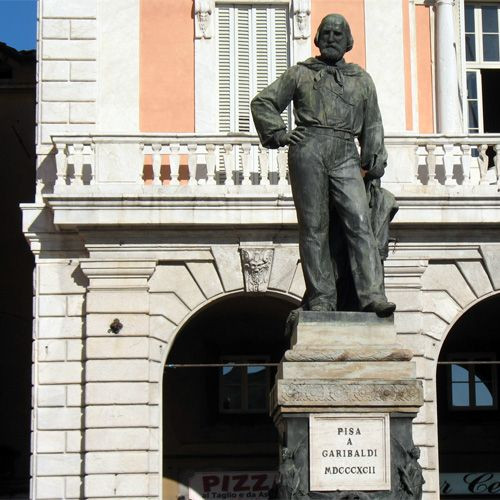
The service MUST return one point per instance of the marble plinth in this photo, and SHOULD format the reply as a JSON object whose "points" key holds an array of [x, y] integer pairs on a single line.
{"points": [[344, 399]]}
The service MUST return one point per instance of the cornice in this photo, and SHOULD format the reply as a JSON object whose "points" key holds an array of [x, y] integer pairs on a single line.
{"points": [[264, 209]]}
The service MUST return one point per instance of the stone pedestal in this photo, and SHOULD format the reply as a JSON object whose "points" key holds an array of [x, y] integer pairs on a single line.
{"points": [[344, 400]]}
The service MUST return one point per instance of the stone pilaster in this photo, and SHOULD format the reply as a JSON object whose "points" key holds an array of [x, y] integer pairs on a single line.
{"points": [[57, 380], [121, 426]]}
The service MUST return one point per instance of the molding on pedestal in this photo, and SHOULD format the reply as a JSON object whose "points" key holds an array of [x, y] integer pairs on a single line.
{"points": [[349, 393]]}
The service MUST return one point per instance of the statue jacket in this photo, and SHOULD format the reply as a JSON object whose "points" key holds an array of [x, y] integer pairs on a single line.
{"points": [[340, 97]]}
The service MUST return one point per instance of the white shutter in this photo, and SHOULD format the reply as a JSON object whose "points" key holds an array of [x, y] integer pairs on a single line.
{"points": [[224, 60], [252, 52], [281, 53], [263, 49], [243, 69]]}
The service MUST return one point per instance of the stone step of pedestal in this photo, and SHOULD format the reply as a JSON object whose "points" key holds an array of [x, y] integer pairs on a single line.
{"points": [[335, 329], [374, 370]]}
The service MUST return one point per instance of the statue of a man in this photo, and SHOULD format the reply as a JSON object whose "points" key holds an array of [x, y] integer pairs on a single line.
{"points": [[334, 102]]}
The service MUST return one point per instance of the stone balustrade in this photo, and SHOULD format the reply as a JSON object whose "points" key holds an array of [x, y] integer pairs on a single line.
{"points": [[151, 162], [448, 161]]}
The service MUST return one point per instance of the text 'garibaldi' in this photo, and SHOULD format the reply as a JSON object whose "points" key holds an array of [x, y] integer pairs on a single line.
{"points": [[335, 189]]}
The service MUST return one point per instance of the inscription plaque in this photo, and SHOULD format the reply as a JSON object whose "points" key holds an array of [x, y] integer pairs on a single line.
{"points": [[349, 452]]}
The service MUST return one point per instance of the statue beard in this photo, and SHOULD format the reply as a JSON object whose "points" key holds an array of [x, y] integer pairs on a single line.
{"points": [[331, 54]]}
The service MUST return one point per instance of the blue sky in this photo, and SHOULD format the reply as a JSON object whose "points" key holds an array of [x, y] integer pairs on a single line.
{"points": [[18, 23]]}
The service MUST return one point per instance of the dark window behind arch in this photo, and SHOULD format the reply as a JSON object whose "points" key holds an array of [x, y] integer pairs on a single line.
{"points": [[468, 425]]}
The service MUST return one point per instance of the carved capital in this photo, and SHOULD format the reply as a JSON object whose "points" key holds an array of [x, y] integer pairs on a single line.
{"points": [[117, 274], [301, 19], [256, 263], [204, 15]]}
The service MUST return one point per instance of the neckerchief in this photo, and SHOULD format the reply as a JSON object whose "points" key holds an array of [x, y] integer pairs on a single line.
{"points": [[338, 70]]}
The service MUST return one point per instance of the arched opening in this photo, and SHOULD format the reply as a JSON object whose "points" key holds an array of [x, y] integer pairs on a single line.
{"points": [[467, 404], [218, 435]]}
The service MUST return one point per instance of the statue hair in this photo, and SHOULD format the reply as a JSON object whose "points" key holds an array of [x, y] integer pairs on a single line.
{"points": [[345, 24]]}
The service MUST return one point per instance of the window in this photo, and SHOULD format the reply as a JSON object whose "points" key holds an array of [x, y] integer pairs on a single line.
{"points": [[482, 56], [253, 50], [244, 389], [472, 384]]}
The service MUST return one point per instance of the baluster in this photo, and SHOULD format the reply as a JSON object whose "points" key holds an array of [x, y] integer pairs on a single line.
{"points": [[416, 163], [174, 164], [430, 160], [156, 164], [496, 148], [192, 163], [78, 163], [448, 165], [61, 164], [482, 161], [141, 178], [466, 162], [211, 160], [228, 164], [264, 165], [282, 167], [245, 162]]}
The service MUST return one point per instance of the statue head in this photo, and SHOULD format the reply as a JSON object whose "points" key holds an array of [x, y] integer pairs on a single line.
{"points": [[333, 38]]}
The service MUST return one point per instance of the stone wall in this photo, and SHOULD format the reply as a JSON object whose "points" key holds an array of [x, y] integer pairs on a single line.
{"points": [[67, 68], [58, 380], [97, 396]]}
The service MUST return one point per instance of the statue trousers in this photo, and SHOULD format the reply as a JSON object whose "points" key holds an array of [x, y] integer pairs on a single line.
{"points": [[326, 184]]}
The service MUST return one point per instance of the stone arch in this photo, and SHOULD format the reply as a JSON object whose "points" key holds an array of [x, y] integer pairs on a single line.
{"points": [[200, 380], [473, 333], [464, 311], [178, 290], [448, 290], [181, 288], [169, 340]]}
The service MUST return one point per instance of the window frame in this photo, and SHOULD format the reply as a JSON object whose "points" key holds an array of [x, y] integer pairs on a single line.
{"points": [[478, 99], [253, 360], [478, 64], [206, 61], [472, 356], [234, 108]]}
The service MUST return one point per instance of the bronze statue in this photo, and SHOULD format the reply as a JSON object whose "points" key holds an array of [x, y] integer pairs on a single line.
{"points": [[336, 190]]}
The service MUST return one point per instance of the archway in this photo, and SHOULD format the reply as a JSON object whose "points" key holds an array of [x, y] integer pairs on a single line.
{"points": [[467, 404], [216, 423]]}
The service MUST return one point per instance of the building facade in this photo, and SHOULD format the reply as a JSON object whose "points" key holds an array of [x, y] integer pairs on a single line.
{"points": [[166, 247]]}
